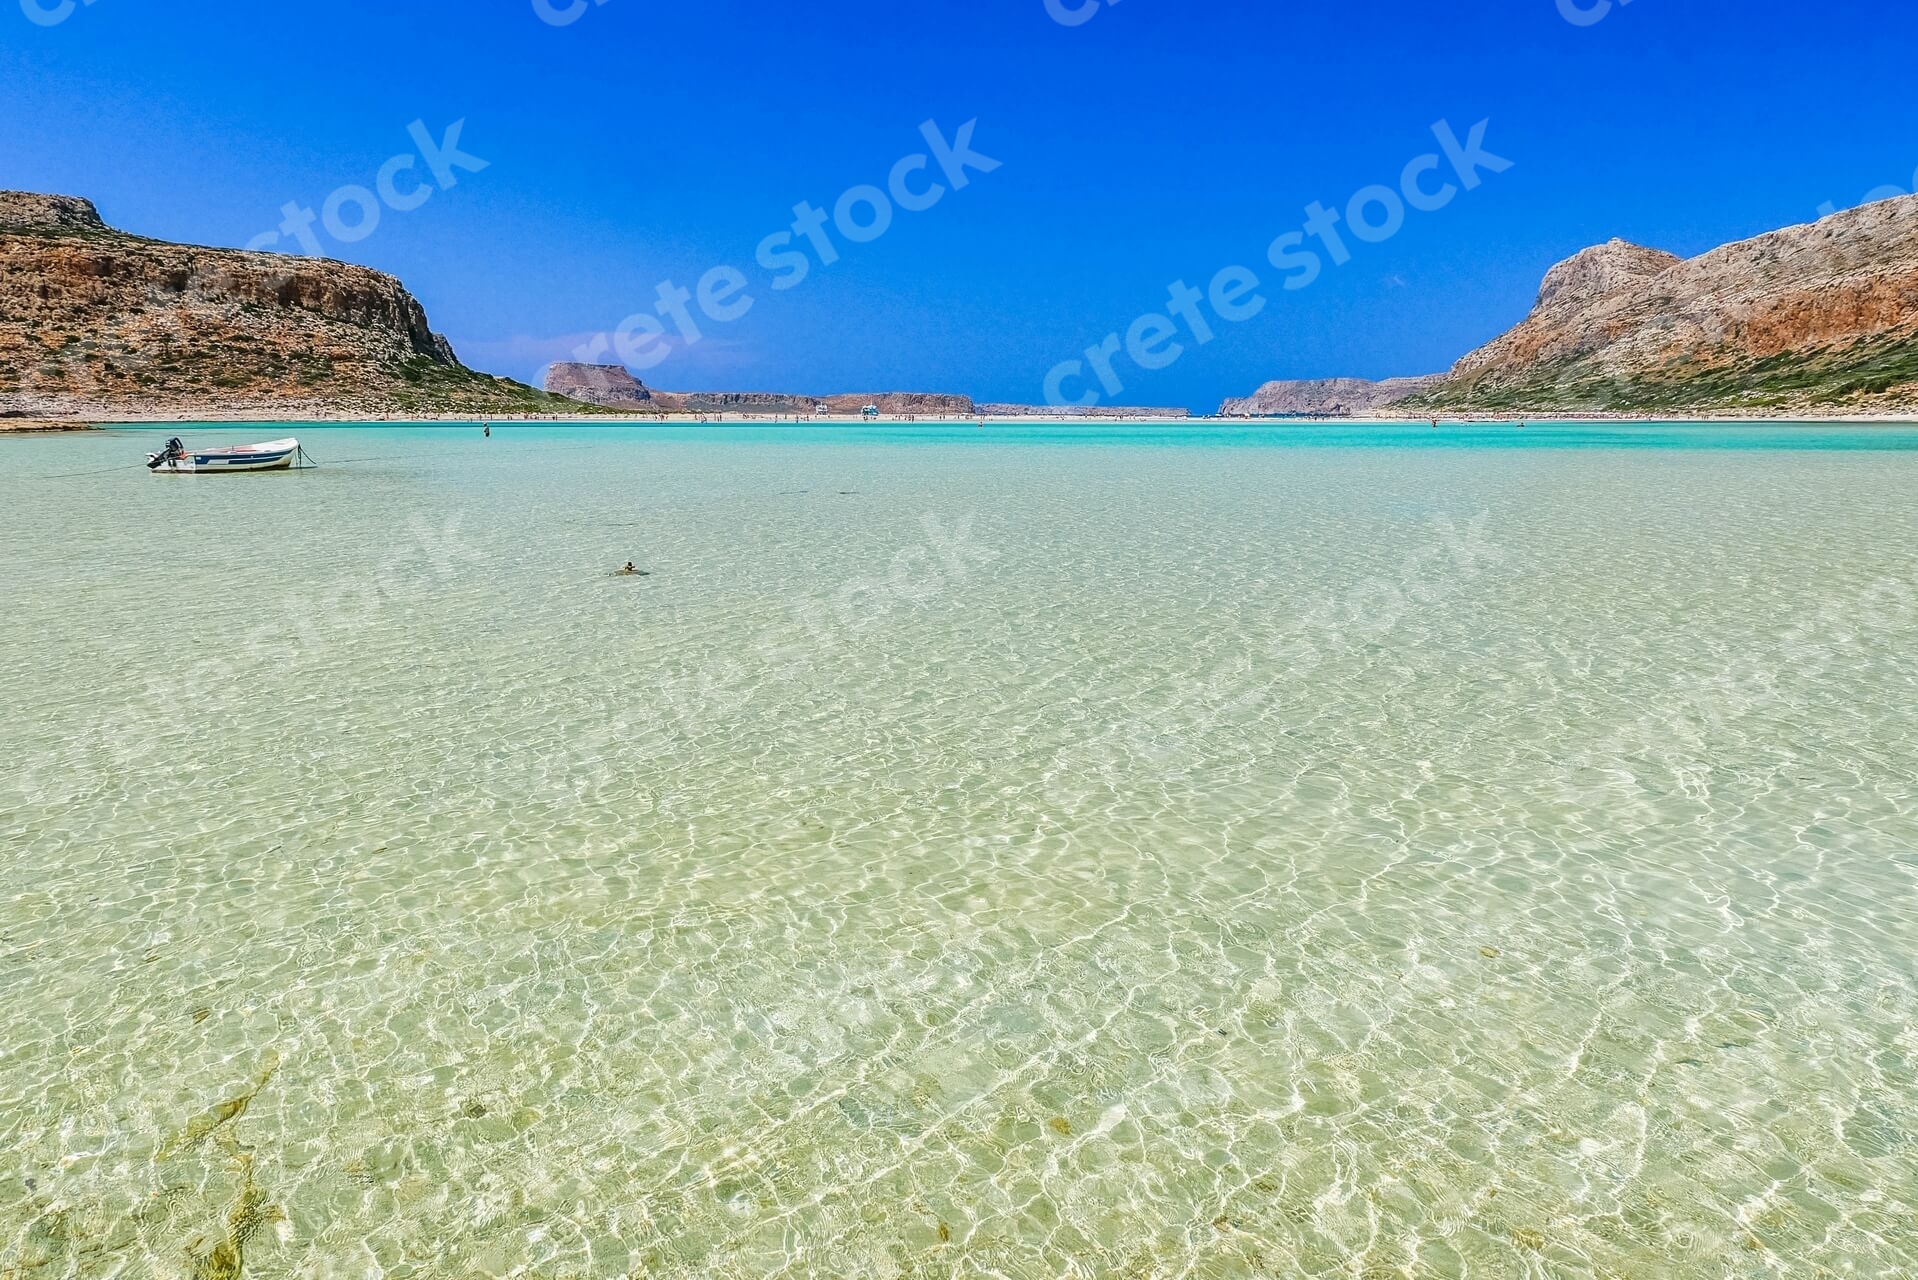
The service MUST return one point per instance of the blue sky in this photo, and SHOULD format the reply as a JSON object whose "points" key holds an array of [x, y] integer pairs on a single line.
{"points": [[1157, 140]]}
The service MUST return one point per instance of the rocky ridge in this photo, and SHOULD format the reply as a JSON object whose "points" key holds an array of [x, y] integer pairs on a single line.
{"points": [[1816, 317], [1077, 411], [1809, 320], [1324, 397], [94, 321]]}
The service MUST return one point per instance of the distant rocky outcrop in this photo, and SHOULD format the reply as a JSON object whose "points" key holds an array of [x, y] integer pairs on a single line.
{"points": [[611, 385], [1814, 319], [94, 321], [901, 403], [614, 386], [1325, 397], [733, 402]]}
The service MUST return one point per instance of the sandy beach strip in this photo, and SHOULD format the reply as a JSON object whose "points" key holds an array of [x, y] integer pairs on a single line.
{"points": [[43, 426]]}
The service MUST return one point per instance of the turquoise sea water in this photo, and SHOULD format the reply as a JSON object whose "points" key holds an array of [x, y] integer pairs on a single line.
{"points": [[1105, 851]]}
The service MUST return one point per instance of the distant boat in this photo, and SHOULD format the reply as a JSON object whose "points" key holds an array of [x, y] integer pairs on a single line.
{"points": [[176, 458]]}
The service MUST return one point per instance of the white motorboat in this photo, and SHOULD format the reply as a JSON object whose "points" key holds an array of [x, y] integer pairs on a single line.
{"points": [[177, 459]]}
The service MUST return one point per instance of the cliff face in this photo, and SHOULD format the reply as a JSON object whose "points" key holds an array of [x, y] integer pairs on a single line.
{"points": [[1325, 397], [611, 385], [24, 211], [95, 321], [1817, 317], [1811, 319]]}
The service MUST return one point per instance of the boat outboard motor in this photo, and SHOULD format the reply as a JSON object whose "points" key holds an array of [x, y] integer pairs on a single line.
{"points": [[174, 449]]}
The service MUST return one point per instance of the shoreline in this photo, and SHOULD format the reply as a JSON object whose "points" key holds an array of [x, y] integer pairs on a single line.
{"points": [[102, 422], [44, 426]]}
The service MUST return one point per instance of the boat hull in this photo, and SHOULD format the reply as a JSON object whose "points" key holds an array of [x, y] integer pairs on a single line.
{"points": [[278, 455]]}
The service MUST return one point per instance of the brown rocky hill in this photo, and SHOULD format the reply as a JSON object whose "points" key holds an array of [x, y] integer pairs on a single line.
{"points": [[610, 385], [94, 321], [1822, 316], [1324, 397], [1814, 319]]}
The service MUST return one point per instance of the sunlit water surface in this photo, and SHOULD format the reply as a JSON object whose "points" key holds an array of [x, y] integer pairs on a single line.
{"points": [[1106, 852]]}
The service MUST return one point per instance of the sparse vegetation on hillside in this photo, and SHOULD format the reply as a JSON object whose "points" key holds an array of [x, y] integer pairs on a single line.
{"points": [[94, 320], [1871, 374]]}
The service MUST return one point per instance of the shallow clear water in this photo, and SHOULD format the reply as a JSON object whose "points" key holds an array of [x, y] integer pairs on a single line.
{"points": [[1059, 851]]}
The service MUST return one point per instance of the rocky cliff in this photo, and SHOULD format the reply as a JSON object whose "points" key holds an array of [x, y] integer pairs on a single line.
{"points": [[1325, 397], [611, 385], [1814, 319], [1822, 317], [94, 321]]}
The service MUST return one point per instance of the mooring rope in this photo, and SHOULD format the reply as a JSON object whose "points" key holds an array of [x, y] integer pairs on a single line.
{"points": [[74, 475]]}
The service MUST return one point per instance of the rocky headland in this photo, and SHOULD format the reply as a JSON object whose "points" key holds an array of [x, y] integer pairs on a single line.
{"points": [[1325, 397], [1814, 320], [97, 322]]}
